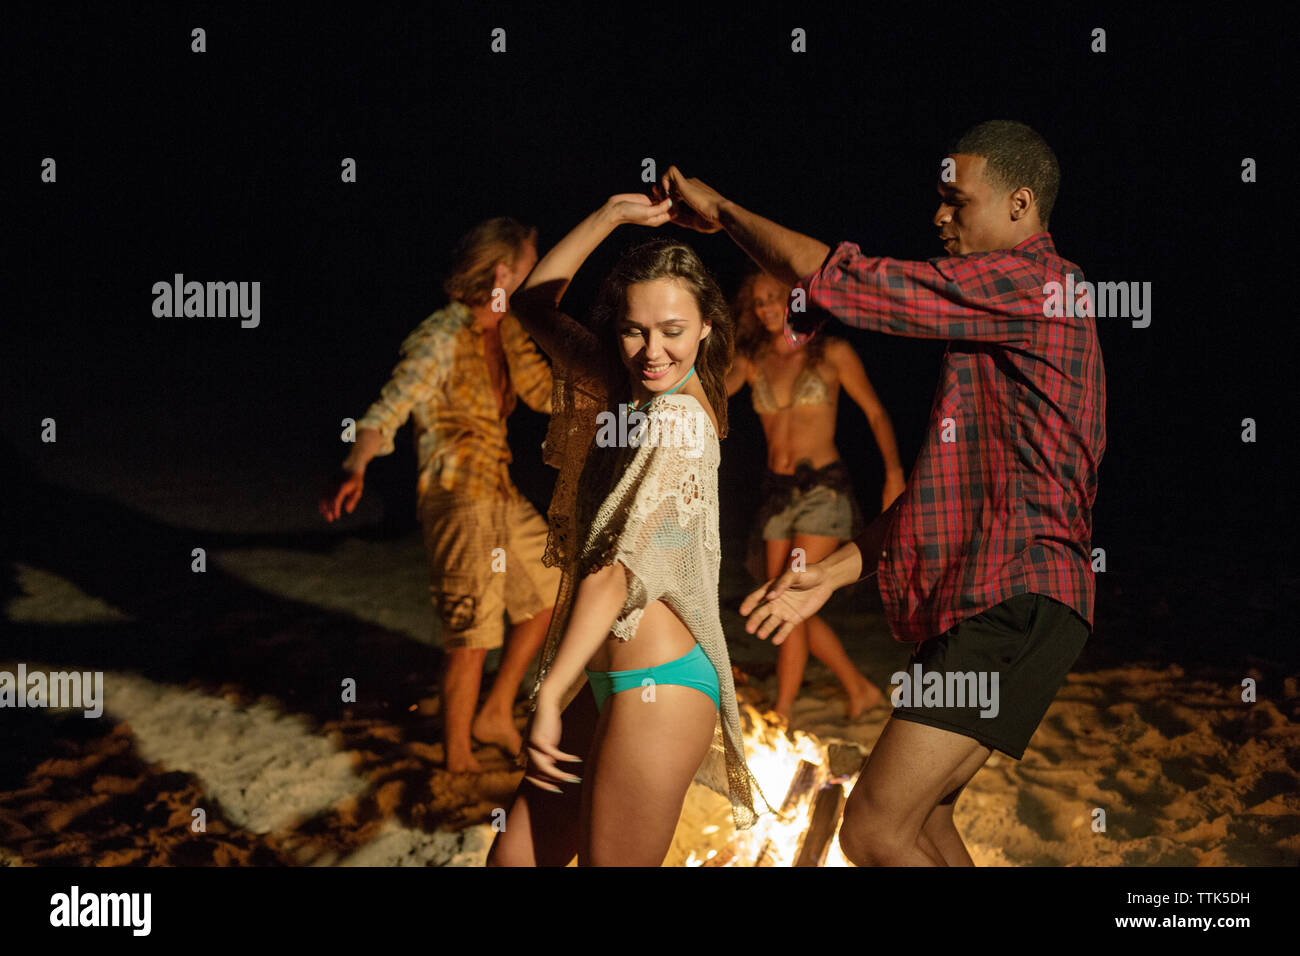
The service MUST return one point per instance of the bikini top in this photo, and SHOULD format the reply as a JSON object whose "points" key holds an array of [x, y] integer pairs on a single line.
{"points": [[809, 389]]}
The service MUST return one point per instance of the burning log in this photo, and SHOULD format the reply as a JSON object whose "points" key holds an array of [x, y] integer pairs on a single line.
{"points": [[807, 779], [821, 830], [723, 858], [812, 779]]}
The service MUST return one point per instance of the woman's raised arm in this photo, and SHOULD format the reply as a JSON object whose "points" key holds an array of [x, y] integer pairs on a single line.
{"points": [[536, 302]]}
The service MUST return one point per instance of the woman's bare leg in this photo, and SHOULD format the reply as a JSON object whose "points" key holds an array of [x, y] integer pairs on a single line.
{"points": [[541, 828], [792, 655], [823, 642], [646, 755]]}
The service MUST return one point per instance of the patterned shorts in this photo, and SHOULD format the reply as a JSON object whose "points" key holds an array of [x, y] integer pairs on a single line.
{"points": [[485, 560]]}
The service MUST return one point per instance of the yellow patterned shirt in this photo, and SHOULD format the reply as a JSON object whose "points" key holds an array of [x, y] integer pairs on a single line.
{"points": [[443, 382]]}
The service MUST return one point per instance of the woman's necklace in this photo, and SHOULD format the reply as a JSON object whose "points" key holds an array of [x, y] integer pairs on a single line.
{"points": [[632, 406]]}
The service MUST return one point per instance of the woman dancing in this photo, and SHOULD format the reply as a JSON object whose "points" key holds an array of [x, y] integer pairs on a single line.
{"points": [[808, 499], [635, 531]]}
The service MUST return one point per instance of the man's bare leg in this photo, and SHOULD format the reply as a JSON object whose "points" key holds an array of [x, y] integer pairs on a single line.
{"points": [[939, 834], [495, 723], [939, 826], [460, 683], [942, 836], [912, 769]]}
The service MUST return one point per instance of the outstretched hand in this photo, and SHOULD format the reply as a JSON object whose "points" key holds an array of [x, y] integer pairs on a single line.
{"points": [[341, 494], [638, 210], [778, 606]]}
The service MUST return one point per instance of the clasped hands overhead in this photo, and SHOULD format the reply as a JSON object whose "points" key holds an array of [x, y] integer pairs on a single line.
{"points": [[687, 202]]}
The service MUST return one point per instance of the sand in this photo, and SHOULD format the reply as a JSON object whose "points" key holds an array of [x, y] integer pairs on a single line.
{"points": [[1184, 770]]}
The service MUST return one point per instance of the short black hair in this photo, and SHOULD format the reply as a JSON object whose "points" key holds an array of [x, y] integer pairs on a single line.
{"points": [[1017, 156]]}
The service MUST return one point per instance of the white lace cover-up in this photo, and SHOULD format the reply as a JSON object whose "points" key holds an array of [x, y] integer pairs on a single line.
{"points": [[660, 520]]}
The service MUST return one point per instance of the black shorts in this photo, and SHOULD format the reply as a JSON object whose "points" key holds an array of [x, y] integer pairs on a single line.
{"points": [[1029, 642]]}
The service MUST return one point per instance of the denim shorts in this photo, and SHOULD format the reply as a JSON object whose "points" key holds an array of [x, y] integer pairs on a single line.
{"points": [[821, 511]]}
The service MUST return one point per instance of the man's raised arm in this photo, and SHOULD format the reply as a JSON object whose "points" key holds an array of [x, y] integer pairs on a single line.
{"points": [[990, 298], [788, 255]]}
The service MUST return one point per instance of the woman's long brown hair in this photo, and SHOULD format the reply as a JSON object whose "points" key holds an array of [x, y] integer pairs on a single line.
{"points": [[673, 259]]}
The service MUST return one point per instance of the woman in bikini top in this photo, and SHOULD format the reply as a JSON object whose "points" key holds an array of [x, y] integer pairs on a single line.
{"points": [[634, 528], [795, 390], [809, 388]]}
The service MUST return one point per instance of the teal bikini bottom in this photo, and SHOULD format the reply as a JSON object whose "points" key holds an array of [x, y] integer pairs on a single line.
{"points": [[690, 670]]}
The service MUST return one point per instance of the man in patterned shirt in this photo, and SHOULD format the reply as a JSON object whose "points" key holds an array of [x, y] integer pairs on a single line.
{"points": [[459, 376], [984, 561]]}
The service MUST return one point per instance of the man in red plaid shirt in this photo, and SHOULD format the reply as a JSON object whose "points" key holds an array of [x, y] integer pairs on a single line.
{"points": [[984, 562]]}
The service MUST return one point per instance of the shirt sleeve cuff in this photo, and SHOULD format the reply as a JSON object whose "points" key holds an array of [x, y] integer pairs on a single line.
{"points": [[803, 324], [369, 421], [871, 542], [814, 284]]}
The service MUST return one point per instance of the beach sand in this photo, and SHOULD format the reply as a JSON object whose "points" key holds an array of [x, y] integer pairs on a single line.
{"points": [[226, 739], [283, 772]]}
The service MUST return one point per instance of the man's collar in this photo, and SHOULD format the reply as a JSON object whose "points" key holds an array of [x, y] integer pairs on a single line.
{"points": [[464, 316], [1038, 242]]}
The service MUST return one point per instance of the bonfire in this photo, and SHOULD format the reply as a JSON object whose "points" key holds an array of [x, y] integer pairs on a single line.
{"points": [[794, 767]]}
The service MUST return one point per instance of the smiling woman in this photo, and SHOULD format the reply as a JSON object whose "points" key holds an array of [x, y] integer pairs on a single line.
{"points": [[665, 318], [634, 526]]}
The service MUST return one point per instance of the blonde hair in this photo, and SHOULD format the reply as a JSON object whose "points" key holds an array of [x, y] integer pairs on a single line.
{"points": [[752, 337], [471, 278]]}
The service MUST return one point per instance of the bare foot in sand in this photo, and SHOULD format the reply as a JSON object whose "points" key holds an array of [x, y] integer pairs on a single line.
{"points": [[864, 697], [458, 762], [498, 730]]}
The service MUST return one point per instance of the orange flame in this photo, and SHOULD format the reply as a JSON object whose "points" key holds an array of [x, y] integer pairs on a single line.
{"points": [[791, 766]]}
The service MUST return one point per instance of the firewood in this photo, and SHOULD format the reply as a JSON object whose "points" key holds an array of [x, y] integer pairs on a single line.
{"points": [[806, 779], [826, 814], [723, 857]]}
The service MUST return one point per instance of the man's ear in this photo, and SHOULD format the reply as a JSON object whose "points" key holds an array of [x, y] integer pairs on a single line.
{"points": [[1022, 200]]}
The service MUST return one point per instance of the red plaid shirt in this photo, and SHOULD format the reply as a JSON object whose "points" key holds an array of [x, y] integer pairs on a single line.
{"points": [[1000, 500]]}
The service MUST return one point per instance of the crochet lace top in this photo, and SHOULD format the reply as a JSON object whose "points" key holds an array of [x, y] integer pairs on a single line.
{"points": [[652, 505]]}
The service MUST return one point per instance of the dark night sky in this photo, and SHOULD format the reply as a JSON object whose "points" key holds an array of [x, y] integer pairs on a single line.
{"points": [[225, 166]]}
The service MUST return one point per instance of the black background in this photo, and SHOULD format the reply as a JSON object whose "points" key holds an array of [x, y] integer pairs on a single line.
{"points": [[226, 166]]}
